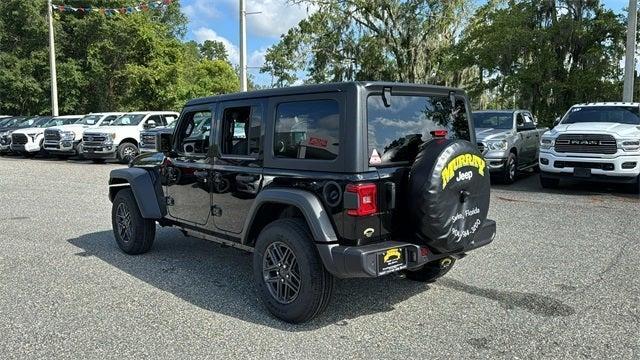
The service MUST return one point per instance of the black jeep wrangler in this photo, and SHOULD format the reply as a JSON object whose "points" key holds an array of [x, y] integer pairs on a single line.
{"points": [[340, 180]]}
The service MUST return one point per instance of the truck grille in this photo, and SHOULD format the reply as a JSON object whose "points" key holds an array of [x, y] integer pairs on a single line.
{"points": [[586, 143], [93, 139], [19, 139], [51, 135], [148, 141]]}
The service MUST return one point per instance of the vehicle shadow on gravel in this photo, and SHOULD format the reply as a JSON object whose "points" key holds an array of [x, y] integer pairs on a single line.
{"points": [[219, 279], [529, 182]]}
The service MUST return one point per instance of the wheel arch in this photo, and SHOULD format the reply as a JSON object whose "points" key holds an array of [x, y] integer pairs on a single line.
{"points": [[146, 189], [129, 140], [273, 204]]}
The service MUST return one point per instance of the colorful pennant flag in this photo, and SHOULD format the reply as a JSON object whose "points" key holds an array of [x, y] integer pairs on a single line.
{"points": [[143, 6]]}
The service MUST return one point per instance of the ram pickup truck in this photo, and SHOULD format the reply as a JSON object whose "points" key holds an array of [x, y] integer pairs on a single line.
{"points": [[65, 140], [121, 139], [29, 141], [509, 141], [593, 142]]}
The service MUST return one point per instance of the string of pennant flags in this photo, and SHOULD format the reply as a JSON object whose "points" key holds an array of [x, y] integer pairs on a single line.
{"points": [[125, 10]]}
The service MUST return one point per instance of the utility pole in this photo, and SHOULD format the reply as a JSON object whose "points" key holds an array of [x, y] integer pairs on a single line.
{"points": [[52, 63], [243, 46], [629, 60]]}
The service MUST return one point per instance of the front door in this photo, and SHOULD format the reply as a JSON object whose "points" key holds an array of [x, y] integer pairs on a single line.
{"points": [[188, 171], [237, 174]]}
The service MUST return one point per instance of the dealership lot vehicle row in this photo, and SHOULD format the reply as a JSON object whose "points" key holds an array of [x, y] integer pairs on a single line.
{"points": [[559, 280]]}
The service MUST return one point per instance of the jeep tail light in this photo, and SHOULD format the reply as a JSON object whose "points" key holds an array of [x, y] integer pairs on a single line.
{"points": [[360, 199]]}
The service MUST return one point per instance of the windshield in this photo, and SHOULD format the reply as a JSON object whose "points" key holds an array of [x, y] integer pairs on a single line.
{"points": [[493, 120], [611, 114], [397, 131], [128, 119], [89, 120], [38, 121], [57, 122]]}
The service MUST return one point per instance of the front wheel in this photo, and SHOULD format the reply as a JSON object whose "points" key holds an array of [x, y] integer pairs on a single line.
{"points": [[127, 152], [510, 170], [134, 234], [431, 271], [289, 276]]}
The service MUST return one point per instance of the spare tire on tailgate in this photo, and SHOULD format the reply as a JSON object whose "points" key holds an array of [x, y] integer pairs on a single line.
{"points": [[449, 191]]}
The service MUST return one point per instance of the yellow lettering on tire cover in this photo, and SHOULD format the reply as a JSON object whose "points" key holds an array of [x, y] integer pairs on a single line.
{"points": [[460, 161]]}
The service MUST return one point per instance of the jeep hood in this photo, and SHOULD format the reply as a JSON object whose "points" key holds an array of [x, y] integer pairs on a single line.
{"points": [[622, 130], [483, 134]]}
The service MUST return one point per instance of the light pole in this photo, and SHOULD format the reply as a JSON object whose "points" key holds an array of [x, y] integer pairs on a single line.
{"points": [[629, 60], [52, 64], [243, 47]]}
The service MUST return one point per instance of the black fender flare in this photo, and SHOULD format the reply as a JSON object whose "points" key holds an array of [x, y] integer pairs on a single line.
{"points": [[146, 187], [314, 213]]}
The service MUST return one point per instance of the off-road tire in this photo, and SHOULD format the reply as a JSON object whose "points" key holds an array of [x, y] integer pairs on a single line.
{"points": [[429, 272], [142, 232], [98, 161], [510, 171], [549, 183], [123, 152], [316, 283]]}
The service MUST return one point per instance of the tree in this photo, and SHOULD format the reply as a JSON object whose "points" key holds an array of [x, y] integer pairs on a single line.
{"points": [[115, 63], [213, 50], [547, 55], [363, 39]]}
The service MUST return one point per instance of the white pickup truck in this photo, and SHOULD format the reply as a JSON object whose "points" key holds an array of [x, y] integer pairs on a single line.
{"points": [[593, 142], [64, 140], [29, 141], [120, 140]]}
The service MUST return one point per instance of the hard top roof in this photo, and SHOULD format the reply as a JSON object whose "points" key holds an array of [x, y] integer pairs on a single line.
{"points": [[315, 88]]}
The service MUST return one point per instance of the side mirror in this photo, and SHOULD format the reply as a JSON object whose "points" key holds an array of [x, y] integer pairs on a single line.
{"points": [[556, 121], [150, 124], [165, 142]]}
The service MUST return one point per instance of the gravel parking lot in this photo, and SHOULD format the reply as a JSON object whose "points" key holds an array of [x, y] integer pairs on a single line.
{"points": [[560, 280]]}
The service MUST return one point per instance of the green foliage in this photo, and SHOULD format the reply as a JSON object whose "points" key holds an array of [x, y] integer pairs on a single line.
{"points": [[133, 62], [214, 50]]}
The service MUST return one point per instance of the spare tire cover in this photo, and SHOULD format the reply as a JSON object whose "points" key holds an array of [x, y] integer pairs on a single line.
{"points": [[449, 189]]}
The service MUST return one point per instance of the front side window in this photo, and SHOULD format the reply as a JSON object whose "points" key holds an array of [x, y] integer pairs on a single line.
{"points": [[128, 120], [108, 120], [307, 130], [395, 132], [620, 114], [241, 130], [194, 132], [493, 120]]}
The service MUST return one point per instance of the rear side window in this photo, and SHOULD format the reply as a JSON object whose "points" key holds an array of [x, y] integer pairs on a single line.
{"points": [[307, 130], [396, 132]]}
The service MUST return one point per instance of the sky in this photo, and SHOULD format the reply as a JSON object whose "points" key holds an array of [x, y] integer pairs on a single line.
{"points": [[219, 20]]}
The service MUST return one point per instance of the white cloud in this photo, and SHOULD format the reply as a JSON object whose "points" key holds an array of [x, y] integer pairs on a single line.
{"points": [[201, 34], [256, 58], [276, 17], [201, 9]]}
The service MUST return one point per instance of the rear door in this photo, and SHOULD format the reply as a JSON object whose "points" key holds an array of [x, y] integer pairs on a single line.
{"points": [[395, 133], [237, 173], [188, 172]]}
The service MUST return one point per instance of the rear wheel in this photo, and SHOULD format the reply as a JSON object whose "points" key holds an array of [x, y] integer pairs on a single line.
{"points": [[133, 233], [127, 152], [289, 276], [549, 183], [431, 271]]}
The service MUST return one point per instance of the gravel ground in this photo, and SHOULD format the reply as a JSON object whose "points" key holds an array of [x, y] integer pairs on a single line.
{"points": [[559, 281]]}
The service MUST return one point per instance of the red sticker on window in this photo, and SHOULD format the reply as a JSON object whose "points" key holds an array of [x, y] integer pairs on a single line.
{"points": [[317, 142]]}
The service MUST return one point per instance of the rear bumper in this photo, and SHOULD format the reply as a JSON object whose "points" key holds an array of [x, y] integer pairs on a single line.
{"points": [[362, 261]]}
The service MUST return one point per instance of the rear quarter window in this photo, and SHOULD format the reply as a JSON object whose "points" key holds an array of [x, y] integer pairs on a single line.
{"points": [[307, 130]]}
